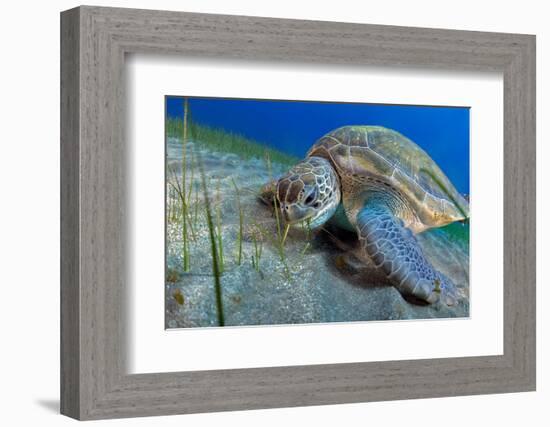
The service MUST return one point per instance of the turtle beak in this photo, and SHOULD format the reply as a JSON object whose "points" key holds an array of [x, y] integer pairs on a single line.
{"points": [[295, 213]]}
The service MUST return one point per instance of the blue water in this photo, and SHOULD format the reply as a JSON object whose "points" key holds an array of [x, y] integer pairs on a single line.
{"points": [[293, 126]]}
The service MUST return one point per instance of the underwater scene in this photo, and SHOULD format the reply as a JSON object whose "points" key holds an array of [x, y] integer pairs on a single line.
{"points": [[292, 212]]}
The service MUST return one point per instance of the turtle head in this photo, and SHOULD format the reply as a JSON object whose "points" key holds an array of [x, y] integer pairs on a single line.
{"points": [[310, 191]]}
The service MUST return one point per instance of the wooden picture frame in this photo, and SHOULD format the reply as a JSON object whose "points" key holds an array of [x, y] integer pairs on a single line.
{"points": [[94, 41]]}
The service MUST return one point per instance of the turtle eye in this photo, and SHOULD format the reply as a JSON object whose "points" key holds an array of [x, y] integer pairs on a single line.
{"points": [[310, 198]]}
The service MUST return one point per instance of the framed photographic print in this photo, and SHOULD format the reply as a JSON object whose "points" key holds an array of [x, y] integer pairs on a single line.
{"points": [[262, 213]]}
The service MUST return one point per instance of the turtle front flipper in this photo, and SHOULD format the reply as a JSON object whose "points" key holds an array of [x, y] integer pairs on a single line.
{"points": [[393, 248]]}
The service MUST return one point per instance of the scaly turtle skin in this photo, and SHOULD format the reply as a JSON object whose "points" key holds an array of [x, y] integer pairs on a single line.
{"points": [[382, 185]]}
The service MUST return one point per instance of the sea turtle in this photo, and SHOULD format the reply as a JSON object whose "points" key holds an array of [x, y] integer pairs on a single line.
{"points": [[381, 185]]}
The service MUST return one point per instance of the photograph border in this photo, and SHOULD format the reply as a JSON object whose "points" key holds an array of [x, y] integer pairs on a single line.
{"points": [[308, 101], [94, 232]]}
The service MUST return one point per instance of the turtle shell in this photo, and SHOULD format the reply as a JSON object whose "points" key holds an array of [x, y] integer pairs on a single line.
{"points": [[383, 156]]}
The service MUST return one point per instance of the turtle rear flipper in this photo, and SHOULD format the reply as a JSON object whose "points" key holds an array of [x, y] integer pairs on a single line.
{"points": [[393, 248]]}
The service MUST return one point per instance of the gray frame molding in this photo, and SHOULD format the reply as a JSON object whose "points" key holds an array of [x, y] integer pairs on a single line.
{"points": [[94, 41]]}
